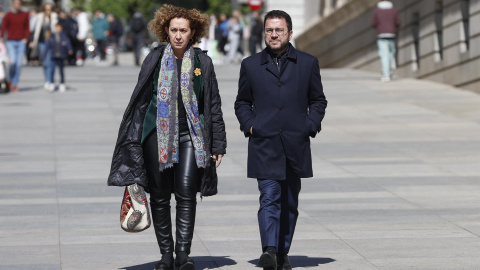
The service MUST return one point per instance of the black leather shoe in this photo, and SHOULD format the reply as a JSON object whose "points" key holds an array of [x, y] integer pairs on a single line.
{"points": [[163, 266], [268, 261], [187, 264], [283, 263]]}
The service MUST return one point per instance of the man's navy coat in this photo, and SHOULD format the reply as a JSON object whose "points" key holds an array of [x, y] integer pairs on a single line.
{"points": [[285, 108]]}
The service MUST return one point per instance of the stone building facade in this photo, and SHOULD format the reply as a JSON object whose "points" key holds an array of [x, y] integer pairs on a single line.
{"points": [[438, 40]]}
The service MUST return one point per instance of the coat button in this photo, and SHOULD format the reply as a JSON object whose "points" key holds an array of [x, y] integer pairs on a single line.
{"points": [[281, 130], [280, 84], [281, 107]]}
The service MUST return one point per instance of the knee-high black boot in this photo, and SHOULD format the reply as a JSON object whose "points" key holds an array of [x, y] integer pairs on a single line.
{"points": [[160, 185], [186, 179], [162, 221]]}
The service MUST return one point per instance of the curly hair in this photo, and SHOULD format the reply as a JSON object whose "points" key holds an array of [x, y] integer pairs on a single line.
{"points": [[198, 22]]}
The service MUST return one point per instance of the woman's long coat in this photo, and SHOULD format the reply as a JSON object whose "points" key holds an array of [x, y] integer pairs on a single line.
{"points": [[127, 162]]}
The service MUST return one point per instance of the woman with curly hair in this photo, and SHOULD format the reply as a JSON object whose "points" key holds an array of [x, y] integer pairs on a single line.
{"points": [[172, 136]]}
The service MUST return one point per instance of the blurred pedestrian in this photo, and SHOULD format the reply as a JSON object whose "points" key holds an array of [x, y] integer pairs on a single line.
{"points": [[234, 37], [280, 105], [256, 33], [58, 47], [17, 25], [70, 28], [44, 27], [138, 28], [237, 14], [83, 27], [100, 28], [3, 68], [386, 20], [32, 16], [182, 137], [223, 39], [114, 35], [213, 39], [62, 17], [2, 14]]}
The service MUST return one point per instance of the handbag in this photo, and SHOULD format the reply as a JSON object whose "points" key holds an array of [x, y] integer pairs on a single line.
{"points": [[134, 214]]}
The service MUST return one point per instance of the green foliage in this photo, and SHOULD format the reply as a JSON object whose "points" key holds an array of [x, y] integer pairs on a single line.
{"points": [[219, 6]]}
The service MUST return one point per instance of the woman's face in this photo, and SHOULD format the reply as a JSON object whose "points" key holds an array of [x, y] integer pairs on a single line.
{"points": [[48, 9], [179, 33]]}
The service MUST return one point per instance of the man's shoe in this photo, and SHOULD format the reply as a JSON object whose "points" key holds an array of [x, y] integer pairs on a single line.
{"points": [[268, 261], [163, 266], [187, 264], [283, 262]]}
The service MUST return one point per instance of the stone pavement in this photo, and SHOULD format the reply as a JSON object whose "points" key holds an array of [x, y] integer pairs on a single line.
{"points": [[396, 186]]}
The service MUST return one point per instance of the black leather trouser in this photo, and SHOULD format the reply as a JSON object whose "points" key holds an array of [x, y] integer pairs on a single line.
{"points": [[183, 179]]}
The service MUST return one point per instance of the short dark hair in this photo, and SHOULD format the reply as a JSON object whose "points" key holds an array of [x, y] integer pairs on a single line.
{"points": [[279, 14]]}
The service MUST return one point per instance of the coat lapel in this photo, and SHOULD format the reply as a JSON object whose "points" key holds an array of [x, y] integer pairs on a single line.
{"points": [[269, 65]]}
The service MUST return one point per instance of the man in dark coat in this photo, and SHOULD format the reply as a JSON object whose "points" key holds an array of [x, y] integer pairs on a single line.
{"points": [[280, 104]]}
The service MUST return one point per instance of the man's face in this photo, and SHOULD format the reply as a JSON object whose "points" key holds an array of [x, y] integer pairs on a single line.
{"points": [[17, 4], [277, 35]]}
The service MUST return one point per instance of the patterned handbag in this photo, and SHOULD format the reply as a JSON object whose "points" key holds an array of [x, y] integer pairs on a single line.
{"points": [[134, 214]]}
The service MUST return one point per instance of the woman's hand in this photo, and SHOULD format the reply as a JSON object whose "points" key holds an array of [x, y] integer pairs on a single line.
{"points": [[218, 159]]}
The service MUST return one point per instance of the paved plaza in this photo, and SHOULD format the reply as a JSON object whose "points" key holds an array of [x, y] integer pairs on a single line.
{"points": [[396, 179]]}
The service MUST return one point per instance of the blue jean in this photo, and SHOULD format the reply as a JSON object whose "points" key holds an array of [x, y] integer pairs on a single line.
{"points": [[56, 62], [278, 212], [46, 62], [16, 52], [386, 51]]}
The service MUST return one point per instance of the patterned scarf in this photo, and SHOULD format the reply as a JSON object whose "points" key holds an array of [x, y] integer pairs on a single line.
{"points": [[167, 109]]}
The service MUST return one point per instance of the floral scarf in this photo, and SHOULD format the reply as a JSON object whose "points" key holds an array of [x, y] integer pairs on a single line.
{"points": [[167, 109]]}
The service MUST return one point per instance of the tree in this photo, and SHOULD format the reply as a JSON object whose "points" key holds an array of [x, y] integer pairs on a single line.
{"points": [[219, 6]]}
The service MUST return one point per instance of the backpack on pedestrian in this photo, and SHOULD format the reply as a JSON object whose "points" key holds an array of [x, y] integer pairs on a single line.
{"points": [[137, 25]]}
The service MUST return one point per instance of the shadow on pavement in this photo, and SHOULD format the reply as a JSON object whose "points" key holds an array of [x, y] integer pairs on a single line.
{"points": [[303, 261], [201, 262]]}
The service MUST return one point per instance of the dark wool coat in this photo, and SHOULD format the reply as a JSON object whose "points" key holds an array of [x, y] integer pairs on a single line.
{"points": [[284, 108], [127, 162]]}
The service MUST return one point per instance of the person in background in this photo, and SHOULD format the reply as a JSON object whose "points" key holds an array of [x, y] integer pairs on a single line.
{"points": [[83, 27], [237, 14], [3, 68], [16, 23], [386, 20], [256, 33], [223, 26], [62, 17], [100, 28], [234, 38], [173, 141], [44, 26], [32, 22], [70, 28], [58, 47], [2, 14], [114, 35], [138, 27], [213, 39], [280, 105]]}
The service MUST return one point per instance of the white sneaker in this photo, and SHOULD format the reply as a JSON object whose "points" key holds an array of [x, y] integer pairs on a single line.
{"points": [[51, 87], [385, 79], [46, 86], [62, 88]]}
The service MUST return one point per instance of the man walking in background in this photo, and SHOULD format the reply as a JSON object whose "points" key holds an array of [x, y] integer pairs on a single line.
{"points": [[115, 33], [16, 23], [280, 105], [100, 28], [138, 26], [386, 20]]}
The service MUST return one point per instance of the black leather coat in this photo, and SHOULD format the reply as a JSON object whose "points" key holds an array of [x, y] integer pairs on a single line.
{"points": [[127, 162]]}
